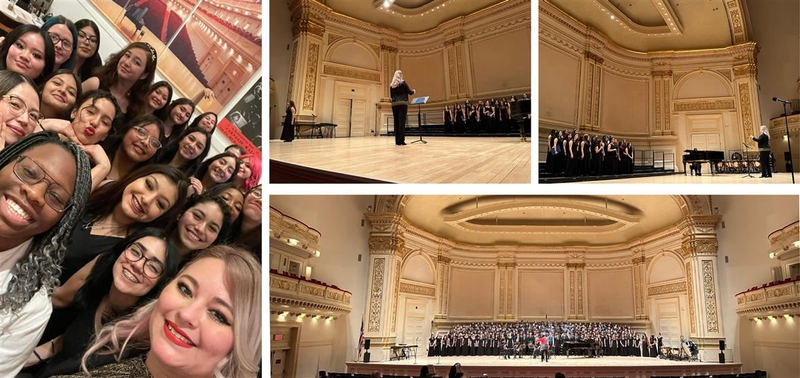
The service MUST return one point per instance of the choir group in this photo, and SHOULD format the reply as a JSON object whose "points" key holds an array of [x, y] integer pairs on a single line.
{"points": [[571, 154]]}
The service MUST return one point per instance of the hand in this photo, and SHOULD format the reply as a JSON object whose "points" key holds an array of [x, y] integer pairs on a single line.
{"points": [[32, 360], [60, 126], [102, 166], [195, 186], [208, 94]]}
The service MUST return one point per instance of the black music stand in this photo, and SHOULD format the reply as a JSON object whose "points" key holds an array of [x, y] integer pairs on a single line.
{"points": [[418, 102], [747, 159]]}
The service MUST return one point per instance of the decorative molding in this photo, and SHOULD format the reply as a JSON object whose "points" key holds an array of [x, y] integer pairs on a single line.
{"points": [[682, 106], [690, 291], [410, 288], [747, 115], [351, 73], [676, 287], [311, 76], [376, 295], [292, 69], [745, 70], [710, 297], [396, 294]]}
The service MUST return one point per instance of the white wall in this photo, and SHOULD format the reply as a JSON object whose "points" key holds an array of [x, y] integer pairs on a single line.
{"points": [[111, 41], [343, 239], [748, 220]]}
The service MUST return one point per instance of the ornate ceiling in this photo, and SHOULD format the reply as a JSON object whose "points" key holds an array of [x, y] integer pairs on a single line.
{"points": [[542, 220], [408, 16], [656, 25]]}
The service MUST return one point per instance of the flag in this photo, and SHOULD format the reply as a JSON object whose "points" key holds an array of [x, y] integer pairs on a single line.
{"points": [[360, 340]]}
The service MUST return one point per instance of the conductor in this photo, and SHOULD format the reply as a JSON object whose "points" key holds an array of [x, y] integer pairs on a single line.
{"points": [[399, 91], [763, 152]]}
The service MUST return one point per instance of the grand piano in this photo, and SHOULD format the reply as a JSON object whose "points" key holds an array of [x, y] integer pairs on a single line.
{"points": [[587, 347], [702, 156]]}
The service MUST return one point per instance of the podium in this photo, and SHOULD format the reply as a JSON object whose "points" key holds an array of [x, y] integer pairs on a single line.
{"points": [[419, 101]]}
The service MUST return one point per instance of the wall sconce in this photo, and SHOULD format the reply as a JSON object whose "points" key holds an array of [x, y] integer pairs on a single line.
{"points": [[329, 318], [772, 255], [284, 314], [316, 253], [301, 316], [788, 316], [292, 242], [756, 319], [772, 318], [316, 317], [797, 244]]}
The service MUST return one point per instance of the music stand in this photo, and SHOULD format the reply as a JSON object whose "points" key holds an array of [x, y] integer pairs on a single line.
{"points": [[747, 159], [419, 101]]}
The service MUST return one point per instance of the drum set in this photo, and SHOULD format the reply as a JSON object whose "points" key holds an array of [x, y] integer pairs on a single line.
{"points": [[687, 352]]}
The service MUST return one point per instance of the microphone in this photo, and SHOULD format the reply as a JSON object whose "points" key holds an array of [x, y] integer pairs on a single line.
{"points": [[781, 100]]}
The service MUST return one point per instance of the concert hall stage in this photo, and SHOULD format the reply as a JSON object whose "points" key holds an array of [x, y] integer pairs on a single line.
{"points": [[378, 159], [476, 366], [679, 178]]}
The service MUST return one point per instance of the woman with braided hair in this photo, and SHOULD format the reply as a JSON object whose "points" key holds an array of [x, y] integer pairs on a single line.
{"points": [[44, 185]]}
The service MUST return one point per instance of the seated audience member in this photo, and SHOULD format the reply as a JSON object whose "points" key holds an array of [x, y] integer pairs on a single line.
{"points": [[176, 118], [236, 150], [28, 50], [188, 151], [218, 169], [111, 285], [59, 94], [133, 146], [20, 111], [249, 172], [214, 308], [65, 40], [206, 121], [205, 221], [127, 75], [44, 183], [87, 58]]}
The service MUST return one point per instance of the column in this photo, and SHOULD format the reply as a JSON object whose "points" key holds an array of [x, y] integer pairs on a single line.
{"points": [[307, 32], [639, 284], [577, 288], [745, 90], [505, 295], [699, 249], [662, 84], [443, 261]]}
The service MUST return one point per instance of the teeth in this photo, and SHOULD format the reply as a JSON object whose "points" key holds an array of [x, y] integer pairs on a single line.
{"points": [[129, 276], [17, 210], [193, 236], [137, 205], [178, 335]]}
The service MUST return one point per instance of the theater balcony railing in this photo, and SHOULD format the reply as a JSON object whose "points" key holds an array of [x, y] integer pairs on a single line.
{"points": [[296, 294]]}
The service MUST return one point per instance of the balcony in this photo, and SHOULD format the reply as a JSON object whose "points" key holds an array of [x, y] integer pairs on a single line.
{"points": [[295, 293], [774, 298]]}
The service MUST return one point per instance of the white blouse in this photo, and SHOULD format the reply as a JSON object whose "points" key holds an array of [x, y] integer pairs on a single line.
{"points": [[21, 330]]}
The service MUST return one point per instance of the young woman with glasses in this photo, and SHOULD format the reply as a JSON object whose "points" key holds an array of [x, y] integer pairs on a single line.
{"points": [[28, 50], [134, 146], [87, 57], [65, 40], [44, 184], [113, 284], [19, 107]]}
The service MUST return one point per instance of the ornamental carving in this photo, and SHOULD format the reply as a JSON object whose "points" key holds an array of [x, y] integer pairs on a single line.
{"points": [[396, 292], [509, 291], [710, 296], [502, 291], [283, 284], [386, 245], [580, 292], [705, 105], [690, 291], [443, 259], [677, 287], [779, 292], [576, 265], [572, 292], [332, 38], [699, 247], [592, 56], [313, 290], [351, 73], [305, 26], [376, 295], [389, 49], [747, 115], [460, 63], [658, 104], [755, 296], [744, 70], [451, 64], [311, 76], [589, 79], [417, 289], [292, 70], [661, 73]]}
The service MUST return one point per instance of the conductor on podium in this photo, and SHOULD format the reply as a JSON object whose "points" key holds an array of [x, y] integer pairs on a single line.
{"points": [[399, 91], [763, 152]]}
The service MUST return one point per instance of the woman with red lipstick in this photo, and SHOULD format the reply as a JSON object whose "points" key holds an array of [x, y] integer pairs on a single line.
{"points": [[111, 285], [127, 75], [249, 172], [59, 94], [44, 184], [187, 152], [219, 169], [19, 107], [151, 196], [28, 50], [133, 146], [176, 119], [87, 57], [198, 327], [205, 221]]}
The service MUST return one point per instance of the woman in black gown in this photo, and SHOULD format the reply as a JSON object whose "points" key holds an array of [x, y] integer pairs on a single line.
{"points": [[448, 120], [587, 155], [288, 123]]}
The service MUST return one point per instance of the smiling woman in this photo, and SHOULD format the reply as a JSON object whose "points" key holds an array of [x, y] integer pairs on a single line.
{"points": [[19, 99], [29, 51]]}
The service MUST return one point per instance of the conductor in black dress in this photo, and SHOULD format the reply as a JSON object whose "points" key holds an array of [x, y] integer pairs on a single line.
{"points": [[400, 91], [287, 135], [763, 152]]}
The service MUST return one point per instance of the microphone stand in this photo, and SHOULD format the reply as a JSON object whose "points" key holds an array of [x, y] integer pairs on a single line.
{"points": [[416, 341], [788, 139], [747, 159]]}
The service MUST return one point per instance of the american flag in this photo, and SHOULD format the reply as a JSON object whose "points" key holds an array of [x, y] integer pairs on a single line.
{"points": [[360, 340]]}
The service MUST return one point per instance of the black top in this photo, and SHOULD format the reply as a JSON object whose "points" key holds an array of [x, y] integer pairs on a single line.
{"points": [[83, 247], [400, 93], [763, 141]]}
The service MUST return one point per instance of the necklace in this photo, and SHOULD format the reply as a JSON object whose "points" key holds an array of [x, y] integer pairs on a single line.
{"points": [[92, 224]]}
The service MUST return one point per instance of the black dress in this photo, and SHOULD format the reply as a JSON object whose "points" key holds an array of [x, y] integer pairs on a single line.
{"points": [[83, 247], [460, 121], [287, 135], [448, 123]]}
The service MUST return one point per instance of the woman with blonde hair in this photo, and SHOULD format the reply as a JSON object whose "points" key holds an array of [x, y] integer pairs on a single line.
{"points": [[198, 326], [400, 91]]}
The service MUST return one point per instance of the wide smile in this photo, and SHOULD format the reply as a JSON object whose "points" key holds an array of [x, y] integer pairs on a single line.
{"points": [[193, 236], [176, 335], [18, 131], [136, 205], [130, 276], [17, 212], [139, 149]]}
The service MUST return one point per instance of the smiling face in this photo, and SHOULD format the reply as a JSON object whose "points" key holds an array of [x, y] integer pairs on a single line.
{"points": [[59, 92], [180, 114], [21, 125], [138, 149], [134, 277], [148, 198], [158, 98], [199, 226], [192, 145], [63, 49], [26, 55], [92, 123], [132, 65], [208, 122], [85, 47], [244, 169], [191, 328], [24, 213], [221, 170], [235, 200]]}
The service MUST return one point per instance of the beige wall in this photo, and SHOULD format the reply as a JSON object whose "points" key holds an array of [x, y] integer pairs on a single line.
{"points": [[625, 104], [541, 293], [478, 286], [610, 293]]}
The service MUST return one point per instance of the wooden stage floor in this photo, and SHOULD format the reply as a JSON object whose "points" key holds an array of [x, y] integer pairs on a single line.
{"points": [[441, 160], [474, 366]]}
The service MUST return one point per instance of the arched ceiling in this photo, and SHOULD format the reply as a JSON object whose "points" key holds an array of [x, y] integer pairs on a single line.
{"points": [[408, 16], [657, 25], [542, 220]]}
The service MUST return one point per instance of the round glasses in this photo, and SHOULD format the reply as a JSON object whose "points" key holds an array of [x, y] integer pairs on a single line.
{"points": [[152, 267], [142, 134], [17, 108], [30, 172], [65, 44], [92, 40], [256, 192]]}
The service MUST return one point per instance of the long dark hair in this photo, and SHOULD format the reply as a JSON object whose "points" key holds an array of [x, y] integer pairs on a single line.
{"points": [[203, 168], [40, 267], [196, 121], [112, 143], [169, 151], [17, 33], [177, 129], [95, 95], [10, 80], [93, 62], [61, 20], [142, 106], [224, 230], [105, 198], [108, 73], [100, 279]]}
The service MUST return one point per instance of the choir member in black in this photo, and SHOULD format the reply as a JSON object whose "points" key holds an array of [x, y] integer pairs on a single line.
{"points": [[633, 157], [460, 127], [645, 346], [472, 116], [438, 349], [448, 120], [431, 346], [550, 160], [653, 346], [763, 152], [660, 342], [586, 147], [556, 151]]}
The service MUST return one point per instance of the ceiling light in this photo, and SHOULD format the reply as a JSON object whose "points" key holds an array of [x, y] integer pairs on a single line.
{"points": [[292, 242]]}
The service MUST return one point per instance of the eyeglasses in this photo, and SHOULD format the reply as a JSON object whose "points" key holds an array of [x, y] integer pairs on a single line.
{"points": [[92, 40], [152, 267], [17, 108], [30, 172], [256, 192], [65, 44], [143, 134]]}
